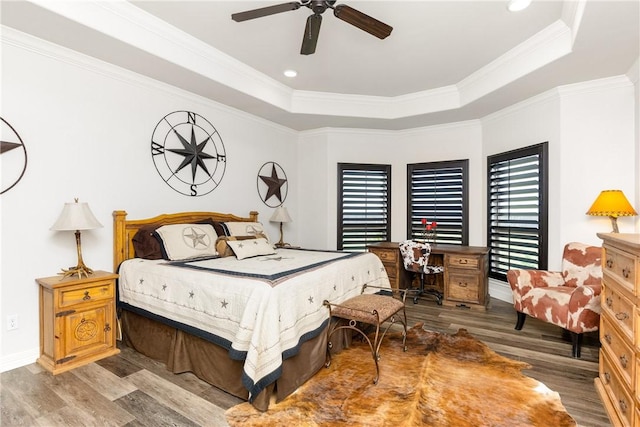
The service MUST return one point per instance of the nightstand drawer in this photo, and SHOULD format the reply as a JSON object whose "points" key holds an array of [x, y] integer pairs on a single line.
{"points": [[619, 352], [461, 261], [87, 294], [619, 309]]}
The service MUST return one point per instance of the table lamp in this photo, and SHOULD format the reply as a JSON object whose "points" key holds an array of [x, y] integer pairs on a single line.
{"points": [[280, 215], [612, 203], [75, 217]]}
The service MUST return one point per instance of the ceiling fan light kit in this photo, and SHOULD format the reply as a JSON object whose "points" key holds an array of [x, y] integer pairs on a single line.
{"points": [[312, 29]]}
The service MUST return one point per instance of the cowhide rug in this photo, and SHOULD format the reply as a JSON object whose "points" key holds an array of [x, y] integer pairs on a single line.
{"points": [[442, 380]]}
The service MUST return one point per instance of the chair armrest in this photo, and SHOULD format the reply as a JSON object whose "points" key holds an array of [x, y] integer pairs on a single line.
{"points": [[519, 279]]}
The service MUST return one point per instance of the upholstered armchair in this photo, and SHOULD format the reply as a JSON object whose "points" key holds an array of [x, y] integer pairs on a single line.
{"points": [[569, 299]]}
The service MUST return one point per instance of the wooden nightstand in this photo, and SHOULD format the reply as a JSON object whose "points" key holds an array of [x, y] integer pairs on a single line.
{"points": [[77, 320]]}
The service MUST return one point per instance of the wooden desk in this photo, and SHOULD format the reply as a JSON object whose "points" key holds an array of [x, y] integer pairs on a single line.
{"points": [[465, 281]]}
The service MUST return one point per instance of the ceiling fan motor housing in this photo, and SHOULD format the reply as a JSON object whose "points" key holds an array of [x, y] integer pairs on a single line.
{"points": [[319, 6]]}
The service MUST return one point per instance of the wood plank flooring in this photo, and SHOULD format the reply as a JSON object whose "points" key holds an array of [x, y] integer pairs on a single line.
{"points": [[132, 390]]}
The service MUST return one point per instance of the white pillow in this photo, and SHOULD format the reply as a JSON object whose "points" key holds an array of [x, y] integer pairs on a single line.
{"points": [[250, 248], [242, 228], [184, 241]]}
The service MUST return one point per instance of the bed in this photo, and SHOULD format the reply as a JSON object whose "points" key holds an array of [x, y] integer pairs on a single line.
{"points": [[252, 326]]}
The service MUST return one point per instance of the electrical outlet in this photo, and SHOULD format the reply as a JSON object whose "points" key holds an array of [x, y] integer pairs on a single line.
{"points": [[12, 322]]}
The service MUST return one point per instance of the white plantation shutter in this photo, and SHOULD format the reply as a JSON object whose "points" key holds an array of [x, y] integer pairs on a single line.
{"points": [[438, 192], [517, 210], [364, 205]]}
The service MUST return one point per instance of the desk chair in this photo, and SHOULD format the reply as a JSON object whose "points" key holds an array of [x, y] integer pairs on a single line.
{"points": [[415, 257]]}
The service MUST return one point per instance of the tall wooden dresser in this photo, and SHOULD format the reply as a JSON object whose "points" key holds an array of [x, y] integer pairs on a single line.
{"points": [[618, 382]]}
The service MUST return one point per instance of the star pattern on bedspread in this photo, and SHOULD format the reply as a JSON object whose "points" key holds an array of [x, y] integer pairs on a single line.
{"points": [[142, 281], [223, 304], [164, 287], [191, 294], [311, 300]]}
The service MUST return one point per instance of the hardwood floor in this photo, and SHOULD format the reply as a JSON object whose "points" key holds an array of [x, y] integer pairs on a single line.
{"points": [[132, 390]]}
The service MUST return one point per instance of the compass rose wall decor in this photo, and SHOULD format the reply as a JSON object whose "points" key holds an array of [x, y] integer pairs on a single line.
{"points": [[14, 156], [188, 153], [272, 184]]}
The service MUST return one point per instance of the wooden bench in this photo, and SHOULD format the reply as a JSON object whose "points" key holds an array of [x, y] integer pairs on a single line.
{"points": [[372, 309]]}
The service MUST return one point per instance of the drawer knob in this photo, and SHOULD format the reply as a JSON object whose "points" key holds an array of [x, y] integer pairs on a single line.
{"points": [[625, 272], [607, 377], [622, 316], [607, 338], [107, 327], [623, 405], [462, 284], [609, 263], [464, 261], [609, 301], [86, 296], [623, 361]]}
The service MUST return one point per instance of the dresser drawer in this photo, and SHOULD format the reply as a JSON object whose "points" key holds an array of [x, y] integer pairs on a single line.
{"points": [[621, 355], [620, 398], [462, 261], [622, 267], [637, 329], [619, 309], [463, 287], [98, 292]]}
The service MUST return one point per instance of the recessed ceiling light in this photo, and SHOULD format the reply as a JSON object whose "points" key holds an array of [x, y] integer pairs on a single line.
{"points": [[517, 5], [290, 73]]}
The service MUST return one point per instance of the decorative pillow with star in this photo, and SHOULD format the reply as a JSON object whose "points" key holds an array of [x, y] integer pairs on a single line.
{"points": [[251, 247], [185, 241], [242, 228]]}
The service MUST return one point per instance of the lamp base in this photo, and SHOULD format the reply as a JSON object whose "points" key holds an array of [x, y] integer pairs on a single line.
{"points": [[614, 224], [79, 270]]}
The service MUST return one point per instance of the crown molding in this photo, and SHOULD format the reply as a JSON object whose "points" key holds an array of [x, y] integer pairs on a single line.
{"points": [[123, 21], [27, 42]]}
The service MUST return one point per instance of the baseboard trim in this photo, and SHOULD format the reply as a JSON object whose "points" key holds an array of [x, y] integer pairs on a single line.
{"points": [[17, 360], [500, 290]]}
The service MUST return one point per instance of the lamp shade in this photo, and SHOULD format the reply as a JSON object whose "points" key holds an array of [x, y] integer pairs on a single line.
{"points": [[280, 215], [76, 216], [611, 203]]}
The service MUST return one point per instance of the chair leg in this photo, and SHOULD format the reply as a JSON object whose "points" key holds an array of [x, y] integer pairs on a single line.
{"points": [[520, 322], [576, 341]]}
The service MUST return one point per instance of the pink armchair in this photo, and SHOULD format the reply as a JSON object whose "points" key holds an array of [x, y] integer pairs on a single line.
{"points": [[569, 299]]}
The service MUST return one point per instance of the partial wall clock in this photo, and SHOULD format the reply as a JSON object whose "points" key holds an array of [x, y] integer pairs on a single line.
{"points": [[188, 153], [14, 156], [272, 184]]}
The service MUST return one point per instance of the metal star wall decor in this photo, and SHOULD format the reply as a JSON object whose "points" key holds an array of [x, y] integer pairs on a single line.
{"points": [[14, 156], [272, 184]]}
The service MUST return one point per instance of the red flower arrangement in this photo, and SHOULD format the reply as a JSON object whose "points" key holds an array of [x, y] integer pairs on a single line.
{"points": [[429, 230]]}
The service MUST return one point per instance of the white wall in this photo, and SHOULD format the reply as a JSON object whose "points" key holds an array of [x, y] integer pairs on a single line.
{"points": [[87, 127], [454, 141]]}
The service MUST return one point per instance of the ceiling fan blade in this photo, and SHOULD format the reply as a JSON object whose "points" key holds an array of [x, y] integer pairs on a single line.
{"points": [[311, 32], [362, 21], [265, 11]]}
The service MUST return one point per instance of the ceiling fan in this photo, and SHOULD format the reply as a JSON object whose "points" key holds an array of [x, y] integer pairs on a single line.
{"points": [[312, 29]]}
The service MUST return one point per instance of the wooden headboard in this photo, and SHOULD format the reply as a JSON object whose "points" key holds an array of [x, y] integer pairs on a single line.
{"points": [[124, 230]]}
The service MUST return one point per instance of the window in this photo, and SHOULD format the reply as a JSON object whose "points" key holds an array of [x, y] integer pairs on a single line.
{"points": [[364, 205], [517, 210], [438, 192]]}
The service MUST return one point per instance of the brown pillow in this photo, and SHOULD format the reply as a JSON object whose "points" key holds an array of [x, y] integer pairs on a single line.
{"points": [[224, 250], [146, 244]]}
